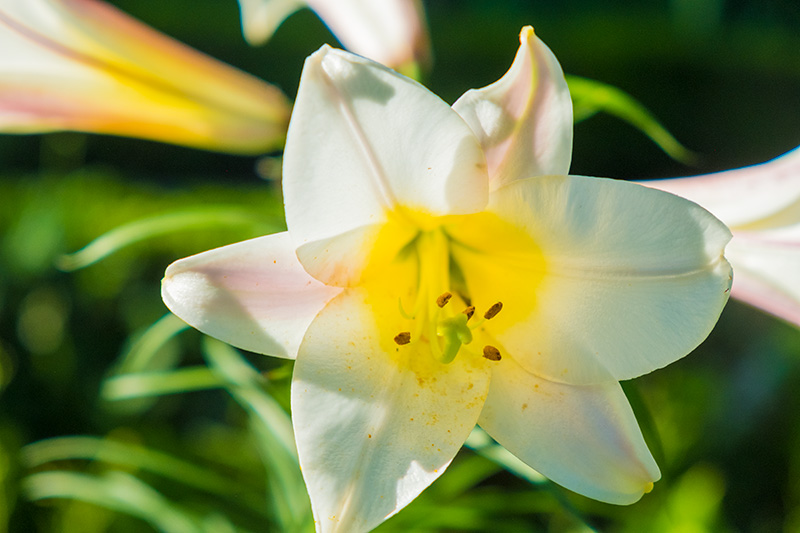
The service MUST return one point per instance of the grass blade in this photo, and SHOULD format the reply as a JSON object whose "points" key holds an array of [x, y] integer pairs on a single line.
{"points": [[590, 97]]}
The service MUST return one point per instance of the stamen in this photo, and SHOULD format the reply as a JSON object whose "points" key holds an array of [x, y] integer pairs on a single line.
{"points": [[491, 353], [404, 337], [442, 300], [493, 310], [469, 311]]}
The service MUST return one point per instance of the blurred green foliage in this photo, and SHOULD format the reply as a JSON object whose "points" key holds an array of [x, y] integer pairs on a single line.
{"points": [[115, 417]]}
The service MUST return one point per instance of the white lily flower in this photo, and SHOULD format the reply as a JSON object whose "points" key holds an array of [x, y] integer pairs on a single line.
{"points": [[761, 205], [392, 32], [84, 65], [405, 218]]}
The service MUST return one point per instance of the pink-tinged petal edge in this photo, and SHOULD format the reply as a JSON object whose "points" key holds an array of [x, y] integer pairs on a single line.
{"points": [[745, 195], [523, 120], [767, 271], [84, 65], [750, 289], [254, 295], [761, 204]]}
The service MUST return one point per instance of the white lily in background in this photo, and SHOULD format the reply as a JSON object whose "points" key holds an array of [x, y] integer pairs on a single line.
{"points": [[761, 205], [441, 270], [392, 32], [86, 66]]}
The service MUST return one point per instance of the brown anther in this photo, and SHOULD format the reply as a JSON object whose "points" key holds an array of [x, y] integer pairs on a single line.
{"points": [[493, 310], [442, 300], [491, 353], [404, 337], [469, 311]]}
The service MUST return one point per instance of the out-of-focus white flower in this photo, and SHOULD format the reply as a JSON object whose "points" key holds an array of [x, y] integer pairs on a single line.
{"points": [[84, 65], [392, 32]]}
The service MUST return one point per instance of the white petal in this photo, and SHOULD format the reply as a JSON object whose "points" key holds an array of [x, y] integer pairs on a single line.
{"points": [[365, 141], [391, 32], [523, 120], [613, 281], [582, 437], [762, 205], [260, 18], [343, 260], [253, 294], [767, 266], [746, 198], [375, 422]]}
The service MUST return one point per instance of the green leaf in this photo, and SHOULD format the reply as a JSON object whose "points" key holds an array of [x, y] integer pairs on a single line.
{"points": [[116, 491], [246, 384], [144, 351], [140, 458], [146, 384], [647, 422], [154, 226], [272, 428], [590, 97], [482, 444]]}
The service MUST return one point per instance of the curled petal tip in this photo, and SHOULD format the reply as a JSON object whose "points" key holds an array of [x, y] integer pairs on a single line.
{"points": [[526, 34], [260, 18], [523, 120]]}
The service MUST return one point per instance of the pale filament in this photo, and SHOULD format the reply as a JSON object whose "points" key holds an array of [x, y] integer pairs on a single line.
{"points": [[446, 330]]}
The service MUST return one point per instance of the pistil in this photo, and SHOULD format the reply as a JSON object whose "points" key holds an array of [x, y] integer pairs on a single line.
{"points": [[444, 329]]}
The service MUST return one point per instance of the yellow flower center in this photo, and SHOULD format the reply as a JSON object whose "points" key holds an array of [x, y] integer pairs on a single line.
{"points": [[432, 295], [437, 268]]}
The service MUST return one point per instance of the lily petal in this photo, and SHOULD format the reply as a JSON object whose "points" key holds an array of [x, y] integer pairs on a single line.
{"points": [[364, 141], [260, 18], [746, 198], [254, 295], [84, 65], [345, 259], [598, 296], [761, 204], [767, 265], [391, 32], [582, 437], [523, 120], [375, 424]]}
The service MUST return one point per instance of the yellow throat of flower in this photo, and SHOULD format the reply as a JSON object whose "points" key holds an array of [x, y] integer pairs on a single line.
{"points": [[431, 279]]}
